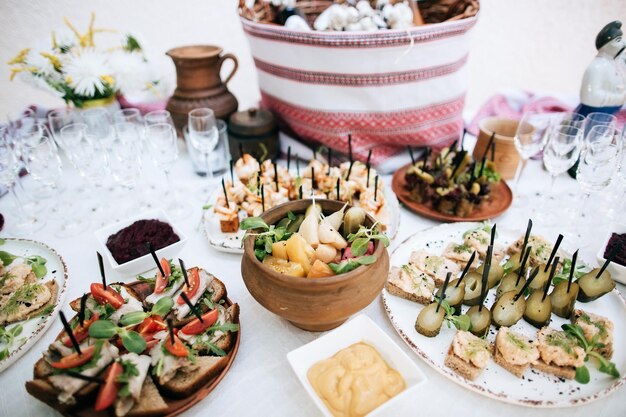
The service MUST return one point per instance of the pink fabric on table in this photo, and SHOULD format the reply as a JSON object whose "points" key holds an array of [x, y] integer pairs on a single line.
{"points": [[513, 105]]}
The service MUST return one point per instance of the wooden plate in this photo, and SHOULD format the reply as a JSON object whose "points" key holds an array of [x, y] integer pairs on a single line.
{"points": [[175, 405], [500, 200]]}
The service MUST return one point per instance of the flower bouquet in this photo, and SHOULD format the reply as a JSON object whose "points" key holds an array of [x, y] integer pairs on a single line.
{"points": [[76, 69]]}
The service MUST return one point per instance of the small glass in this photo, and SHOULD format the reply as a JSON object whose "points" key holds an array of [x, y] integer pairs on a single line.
{"points": [[58, 119], [203, 133], [218, 161]]}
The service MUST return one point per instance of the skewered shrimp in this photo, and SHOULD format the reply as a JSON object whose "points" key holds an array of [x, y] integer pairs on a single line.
{"points": [[246, 168]]}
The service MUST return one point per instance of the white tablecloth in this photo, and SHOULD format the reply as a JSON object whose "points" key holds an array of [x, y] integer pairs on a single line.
{"points": [[261, 381]]}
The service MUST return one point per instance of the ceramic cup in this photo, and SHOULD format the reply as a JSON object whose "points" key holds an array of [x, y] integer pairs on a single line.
{"points": [[506, 156]]}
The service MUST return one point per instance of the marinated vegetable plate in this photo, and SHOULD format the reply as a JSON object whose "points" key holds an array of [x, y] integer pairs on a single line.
{"points": [[33, 281], [538, 365]]}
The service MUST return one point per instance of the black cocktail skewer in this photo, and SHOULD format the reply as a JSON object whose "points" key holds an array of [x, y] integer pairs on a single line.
{"points": [[155, 258], [70, 333]]}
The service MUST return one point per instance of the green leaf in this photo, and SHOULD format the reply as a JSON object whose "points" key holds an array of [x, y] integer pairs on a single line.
{"points": [[462, 322], [250, 223], [359, 246], [291, 216], [162, 307], [39, 270], [260, 254], [133, 341], [366, 260], [207, 206], [606, 366], [133, 318], [103, 329], [226, 327], [576, 331], [350, 264], [7, 258], [582, 375], [4, 353]]}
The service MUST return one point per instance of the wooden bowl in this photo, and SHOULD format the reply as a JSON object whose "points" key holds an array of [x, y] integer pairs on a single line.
{"points": [[314, 304]]}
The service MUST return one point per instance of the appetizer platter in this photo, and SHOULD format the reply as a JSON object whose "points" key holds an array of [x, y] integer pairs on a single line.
{"points": [[449, 186], [153, 347], [33, 282], [252, 189], [546, 331]]}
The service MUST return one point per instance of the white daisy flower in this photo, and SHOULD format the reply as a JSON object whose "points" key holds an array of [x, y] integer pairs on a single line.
{"points": [[88, 72], [129, 70]]}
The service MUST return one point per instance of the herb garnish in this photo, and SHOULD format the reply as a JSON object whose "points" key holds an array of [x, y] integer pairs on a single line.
{"points": [[605, 366]]}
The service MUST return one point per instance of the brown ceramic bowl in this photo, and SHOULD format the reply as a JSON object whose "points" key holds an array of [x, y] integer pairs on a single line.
{"points": [[314, 304]]}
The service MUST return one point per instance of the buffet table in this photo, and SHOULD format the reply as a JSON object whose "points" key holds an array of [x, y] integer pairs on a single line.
{"points": [[261, 381]]}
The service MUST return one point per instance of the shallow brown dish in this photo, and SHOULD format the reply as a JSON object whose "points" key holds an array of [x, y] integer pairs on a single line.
{"points": [[499, 201], [314, 304], [175, 406]]}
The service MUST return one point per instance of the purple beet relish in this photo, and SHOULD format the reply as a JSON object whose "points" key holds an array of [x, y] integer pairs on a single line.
{"points": [[130, 242], [616, 239]]}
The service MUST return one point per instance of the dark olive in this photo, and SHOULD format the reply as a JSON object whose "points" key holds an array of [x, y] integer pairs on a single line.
{"points": [[507, 311], [540, 280], [563, 301], [454, 295], [429, 320], [538, 312], [495, 273], [472, 288], [294, 225], [480, 320], [592, 288], [508, 284]]}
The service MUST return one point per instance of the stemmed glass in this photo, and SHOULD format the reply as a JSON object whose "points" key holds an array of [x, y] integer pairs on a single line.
{"points": [[598, 163], [125, 161], [99, 126], [89, 158], [559, 154], [529, 140], [157, 117], [58, 119], [203, 134], [25, 223], [162, 142]]}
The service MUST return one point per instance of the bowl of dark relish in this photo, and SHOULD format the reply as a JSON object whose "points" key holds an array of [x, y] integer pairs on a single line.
{"points": [[617, 268], [125, 242]]}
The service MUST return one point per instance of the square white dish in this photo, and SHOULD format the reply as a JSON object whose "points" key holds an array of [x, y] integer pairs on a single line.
{"points": [[617, 271], [359, 329], [144, 263]]}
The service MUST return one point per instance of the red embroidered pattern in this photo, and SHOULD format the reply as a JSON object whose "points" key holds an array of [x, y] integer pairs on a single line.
{"points": [[383, 38], [386, 133], [358, 80]]}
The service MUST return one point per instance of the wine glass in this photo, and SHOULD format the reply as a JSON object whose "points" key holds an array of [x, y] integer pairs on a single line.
{"points": [[529, 140], [99, 127], [128, 115], [162, 142], [125, 163], [203, 133], [89, 157], [158, 116], [58, 119], [25, 222], [559, 154]]}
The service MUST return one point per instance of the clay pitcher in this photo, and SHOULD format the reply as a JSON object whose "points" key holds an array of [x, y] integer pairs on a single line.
{"points": [[198, 82]]}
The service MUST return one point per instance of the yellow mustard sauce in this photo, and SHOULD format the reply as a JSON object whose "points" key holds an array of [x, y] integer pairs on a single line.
{"points": [[355, 381]]}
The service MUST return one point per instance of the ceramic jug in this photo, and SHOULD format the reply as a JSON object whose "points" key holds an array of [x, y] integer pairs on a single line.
{"points": [[198, 82]]}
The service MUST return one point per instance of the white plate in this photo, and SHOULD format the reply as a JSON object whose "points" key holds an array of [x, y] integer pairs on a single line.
{"points": [[144, 263], [359, 329], [231, 242], [34, 328], [617, 271], [536, 389]]}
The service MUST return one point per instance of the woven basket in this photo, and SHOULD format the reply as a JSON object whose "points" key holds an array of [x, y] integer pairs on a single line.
{"points": [[388, 88]]}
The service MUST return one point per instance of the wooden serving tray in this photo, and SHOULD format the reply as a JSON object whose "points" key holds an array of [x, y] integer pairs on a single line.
{"points": [[499, 201], [175, 405]]}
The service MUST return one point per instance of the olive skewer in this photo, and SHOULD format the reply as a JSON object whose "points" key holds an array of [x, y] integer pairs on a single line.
{"points": [[510, 307], [514, 281], [430, 318], [598, 282], [538, 305], [480, 318], [564, 295], [542, 277]]}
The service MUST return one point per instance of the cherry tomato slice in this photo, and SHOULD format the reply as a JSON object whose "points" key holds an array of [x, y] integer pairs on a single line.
{"points": [[108, 295], [151, 343], [177, 348], [150, 325], [196, 326], [80, 332], [194, 282], [108, 390], [162, 281], [75, 359]]}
